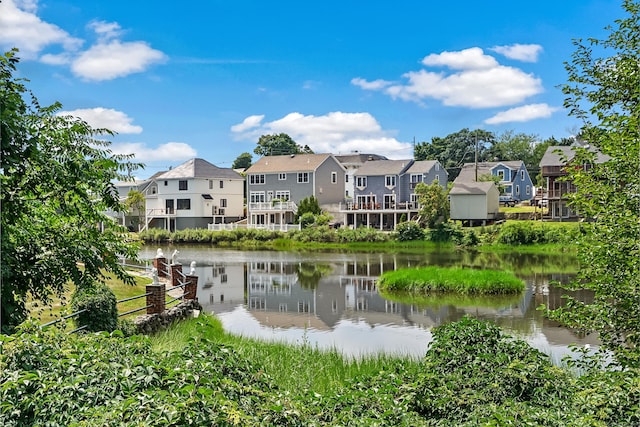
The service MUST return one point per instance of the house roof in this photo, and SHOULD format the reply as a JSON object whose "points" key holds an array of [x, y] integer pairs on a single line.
{"points": [[423, 166], [357, 158], [288, 163], [383, 167], [471, 187], [556, 155], [199, 168], [468, 170]]}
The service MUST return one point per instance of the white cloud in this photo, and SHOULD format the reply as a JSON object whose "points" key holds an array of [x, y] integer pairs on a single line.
{"points": [[520, 52], [367, 85], [467, 59], [107, 61], [106, 118], [250, 122], [21, 28], [522, 114], [105, 30], [170, 152], [335, 132], [477, 81]]}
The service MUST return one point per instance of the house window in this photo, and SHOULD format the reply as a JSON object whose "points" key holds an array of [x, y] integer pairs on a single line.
{"points": [[334, 177], [528, 190], [182, 185], [346, 177], [166, 183], [522, 175], [284, 195], [183, 204], [361, 181], [223, 203], [390, 180], [303, 177], [415, 178], [437, 166], [221, 184], [257, 197], [501, 175], [282, 177], [210, 184], [303, 306], [517, 190], [436, 179], [256, 179]]}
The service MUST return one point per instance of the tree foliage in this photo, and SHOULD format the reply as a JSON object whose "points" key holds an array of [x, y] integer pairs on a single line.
{"points": [[56, 185], [280, 144], [434, 204], [243, 161], [308, 205], [604, 92], [136, 203]]}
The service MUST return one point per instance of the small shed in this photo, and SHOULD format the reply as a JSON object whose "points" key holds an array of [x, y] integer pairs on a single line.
{"points": [[474, 201]]}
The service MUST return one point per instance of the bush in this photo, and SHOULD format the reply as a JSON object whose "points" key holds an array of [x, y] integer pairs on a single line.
{"points": [[361, 234], [407, 231], [100, 304], [446, 232], [306, 219]]}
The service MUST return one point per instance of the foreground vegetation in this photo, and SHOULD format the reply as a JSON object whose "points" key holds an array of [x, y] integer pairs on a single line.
{"points": [[460, 281], [196, 374]]}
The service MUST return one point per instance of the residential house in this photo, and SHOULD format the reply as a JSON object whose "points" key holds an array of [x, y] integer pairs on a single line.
{"points": [[514, 177], [474, 202], [277, 184], [134, 217], [555, 188], [385, 191], [194, 195], [352, 162]]}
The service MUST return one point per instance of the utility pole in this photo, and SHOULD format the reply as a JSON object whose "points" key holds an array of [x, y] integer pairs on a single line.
{"points": [[476, 157]]}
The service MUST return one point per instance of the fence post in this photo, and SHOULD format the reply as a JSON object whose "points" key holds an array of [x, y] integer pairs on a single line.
{"points": [[155, 295], [159, 263], [191, 288], [176, 269]]}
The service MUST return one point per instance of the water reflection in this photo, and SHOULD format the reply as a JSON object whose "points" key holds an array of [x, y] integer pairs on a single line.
{"points": [[331, 299]]}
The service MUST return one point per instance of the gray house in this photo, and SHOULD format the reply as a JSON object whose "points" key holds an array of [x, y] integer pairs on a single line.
{"points": [[514, 177], [385, 191], [276, 184], [353, 162]]}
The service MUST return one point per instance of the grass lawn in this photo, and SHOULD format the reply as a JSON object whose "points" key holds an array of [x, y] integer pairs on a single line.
{"points": [[61, 306]]}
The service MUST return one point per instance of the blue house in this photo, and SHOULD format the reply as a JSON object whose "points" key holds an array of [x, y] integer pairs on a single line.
{"points": [[514, 177]]}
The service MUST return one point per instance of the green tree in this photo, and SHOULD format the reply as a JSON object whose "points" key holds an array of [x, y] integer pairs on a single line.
{"points": [[280, 144], [434, 204], [243, 161], [510, 146], [456, 149], [308, 204], [56, 185], [604, 92], [136, 204]]}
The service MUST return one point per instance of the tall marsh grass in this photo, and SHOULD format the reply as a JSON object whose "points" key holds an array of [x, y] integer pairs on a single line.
{"points": [[456, 280]]}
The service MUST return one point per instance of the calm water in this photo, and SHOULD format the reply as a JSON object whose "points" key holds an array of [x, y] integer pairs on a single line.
{"points": [[331, 300]]}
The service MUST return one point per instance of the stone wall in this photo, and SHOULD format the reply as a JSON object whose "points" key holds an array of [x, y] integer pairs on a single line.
{"points": [[151, 323]]}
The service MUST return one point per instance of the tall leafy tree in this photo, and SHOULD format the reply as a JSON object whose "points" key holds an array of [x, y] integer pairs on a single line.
{"points": [[280, 144], [56, 185], [243, 161], [434, 204], [456, 149], [604, 92], [135, 204]]}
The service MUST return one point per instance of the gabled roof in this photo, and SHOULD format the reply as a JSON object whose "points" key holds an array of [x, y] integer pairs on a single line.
{"points": [[288, 163], [556, 155], [468, 171], [383, 167], [481, 187], [357, 158], [199, 168], [423, 166]]}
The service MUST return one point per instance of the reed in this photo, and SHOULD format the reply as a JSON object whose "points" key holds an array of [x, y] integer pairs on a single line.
{"points": [[451, 280], [295, 368]]}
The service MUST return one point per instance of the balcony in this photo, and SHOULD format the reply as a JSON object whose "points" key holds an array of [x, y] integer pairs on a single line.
{"points": [[273, 206], [379, 207]]}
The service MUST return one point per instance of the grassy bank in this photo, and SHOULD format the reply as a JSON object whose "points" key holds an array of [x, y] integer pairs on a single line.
{"points": [[194, 374], [461, 281]]}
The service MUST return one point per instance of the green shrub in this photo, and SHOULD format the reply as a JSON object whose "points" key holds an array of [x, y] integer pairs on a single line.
{"points": [[100, 304], [446, 232], [306, 219], [361, 234], [407, 231]]}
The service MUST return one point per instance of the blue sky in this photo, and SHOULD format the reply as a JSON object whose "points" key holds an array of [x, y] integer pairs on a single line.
{"points": [[207, 78]]}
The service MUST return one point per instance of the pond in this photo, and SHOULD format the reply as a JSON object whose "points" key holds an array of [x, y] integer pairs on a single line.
{"points": [[330, 299]]}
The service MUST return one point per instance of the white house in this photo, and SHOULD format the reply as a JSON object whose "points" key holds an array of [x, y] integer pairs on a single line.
{"points": [[193, 195]]}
